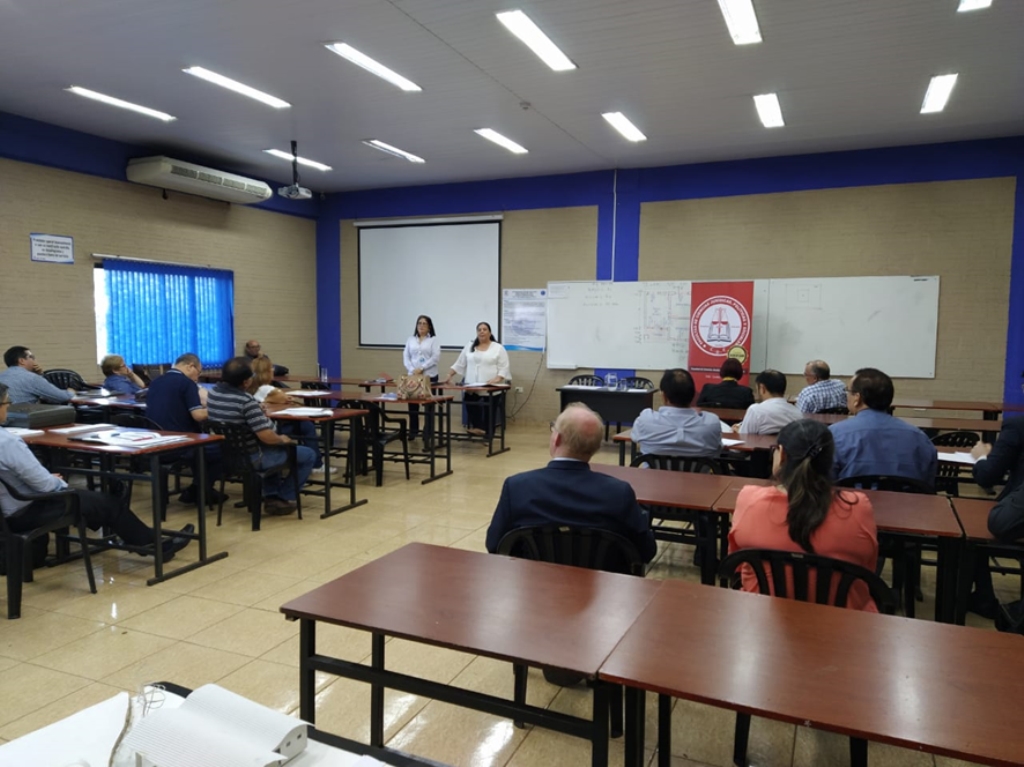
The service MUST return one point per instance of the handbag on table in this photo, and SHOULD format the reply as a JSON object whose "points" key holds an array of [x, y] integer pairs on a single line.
{"points": [[414, 387]]}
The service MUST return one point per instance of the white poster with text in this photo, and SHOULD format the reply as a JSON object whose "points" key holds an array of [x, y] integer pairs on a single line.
{"points": [[52, 248], [524, 319]]}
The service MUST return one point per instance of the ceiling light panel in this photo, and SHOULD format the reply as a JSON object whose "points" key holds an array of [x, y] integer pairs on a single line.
{"points": [[360, 59], [116, 102], [769, 110], [233, 85], [742, 21], [973, 5], [937, 95], [301, 160], [522, 26], [392, 150], [622, 124], [502, 141]]}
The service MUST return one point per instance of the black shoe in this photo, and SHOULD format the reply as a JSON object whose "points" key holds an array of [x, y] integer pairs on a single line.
{"points": [[173, 545], [278, 507], [188, 495], [215, 497], [985, 606]]}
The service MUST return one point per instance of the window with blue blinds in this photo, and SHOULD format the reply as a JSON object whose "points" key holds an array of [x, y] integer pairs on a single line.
{"points": [[157, 312]]}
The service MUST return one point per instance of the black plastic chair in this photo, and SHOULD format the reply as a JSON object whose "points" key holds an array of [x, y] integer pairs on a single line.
{"points": [[18, 558], [831, 575], [637, 382], [238, 466], [63, 378], [949, 474], [587, 547], [378, 431], [586, 381]]}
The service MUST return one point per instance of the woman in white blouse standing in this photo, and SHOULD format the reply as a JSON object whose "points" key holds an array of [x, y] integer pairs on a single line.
{"points": [[484, 361], [421, 355]]}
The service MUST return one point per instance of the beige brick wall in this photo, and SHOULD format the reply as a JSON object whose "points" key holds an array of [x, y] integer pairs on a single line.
{"points": [[959, 230], [536, 246], [50, 308]]}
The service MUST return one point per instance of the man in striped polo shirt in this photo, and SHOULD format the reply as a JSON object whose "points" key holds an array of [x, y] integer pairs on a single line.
{"points": [[230, 403]]}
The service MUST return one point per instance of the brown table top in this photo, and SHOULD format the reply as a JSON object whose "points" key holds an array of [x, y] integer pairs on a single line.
{"points": [[387, 399], [750, 441], [337, 414], [973, 516], [944, 424], [678, 489], [923, 403], [726, 502], [916, 684], [49, 439], [485, 604]]}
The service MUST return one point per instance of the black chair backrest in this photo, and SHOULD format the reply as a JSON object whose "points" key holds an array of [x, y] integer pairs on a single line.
{"points": [[679, 463], [966, 439], [134, 421], [797, 566], [142, 373], [637, 382], [586, 381], [884, 482], [587, 547], [841, 410], [238, 447], [65, 379]]}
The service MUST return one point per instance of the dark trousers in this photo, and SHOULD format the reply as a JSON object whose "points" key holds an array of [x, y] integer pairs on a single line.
{"points": [[99, 510], [414, 419], [478, 410]]}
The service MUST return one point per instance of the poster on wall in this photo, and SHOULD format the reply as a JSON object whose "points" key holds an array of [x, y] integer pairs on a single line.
{"points": [[52, 248], [719, 327], [524, 319]]}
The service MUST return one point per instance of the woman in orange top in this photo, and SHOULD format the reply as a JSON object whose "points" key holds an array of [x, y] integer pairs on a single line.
{"points": [[804, 512]]}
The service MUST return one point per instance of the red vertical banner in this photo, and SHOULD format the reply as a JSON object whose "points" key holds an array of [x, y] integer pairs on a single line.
{"points": [[720, 323]]}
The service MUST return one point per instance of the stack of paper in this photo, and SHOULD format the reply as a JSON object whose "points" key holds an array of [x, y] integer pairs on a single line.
{"points": [[129, 438], [82, 427], [308, 412], [964, 458], [307, 393], [19, 431]]}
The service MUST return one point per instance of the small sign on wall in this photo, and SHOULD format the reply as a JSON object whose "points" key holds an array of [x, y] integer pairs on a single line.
{"points": [[53, 248]]}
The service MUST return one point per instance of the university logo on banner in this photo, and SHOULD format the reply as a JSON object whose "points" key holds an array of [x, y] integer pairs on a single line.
{"points": [[719, 327]]}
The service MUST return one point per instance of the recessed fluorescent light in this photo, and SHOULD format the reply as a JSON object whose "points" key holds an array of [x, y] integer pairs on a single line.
{"points": [[622, 124], [973, 5], [237, 87], [346, 51], [937, 95], [497, 138], [768, 110], [120, 103], [522, 26], [393, 150], [302, 160], [741, 20]]}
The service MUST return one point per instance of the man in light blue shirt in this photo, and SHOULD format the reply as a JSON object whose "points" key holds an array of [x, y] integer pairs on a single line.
{"points": [[676, 428], [24, 380], [876, 443]]}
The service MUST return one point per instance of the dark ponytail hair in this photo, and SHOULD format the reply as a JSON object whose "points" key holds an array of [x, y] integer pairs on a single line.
{"points": [[476, 340], [806, 475]]}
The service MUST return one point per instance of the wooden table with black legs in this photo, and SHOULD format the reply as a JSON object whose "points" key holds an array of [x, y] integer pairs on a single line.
{"points": [[534, 613]]}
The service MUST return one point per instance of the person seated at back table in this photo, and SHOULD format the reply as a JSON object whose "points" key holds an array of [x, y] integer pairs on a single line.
{"points": [[254, 350], [230, 403], [120, 379], [25, 382], [729, 393], [802, 511], [772, 412], [676, 428], [872, 442], [822, 392]]}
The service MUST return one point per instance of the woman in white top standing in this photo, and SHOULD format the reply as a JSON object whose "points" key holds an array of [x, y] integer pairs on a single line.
{"points": [[484, 361], [421, 355]]}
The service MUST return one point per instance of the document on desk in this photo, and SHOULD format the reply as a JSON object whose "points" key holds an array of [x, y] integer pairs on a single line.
{"points": [[128, 438], [18, 431], [965, 458], [306, 412], [308, 392], [215, 727], [82, 428], [731, 442]]}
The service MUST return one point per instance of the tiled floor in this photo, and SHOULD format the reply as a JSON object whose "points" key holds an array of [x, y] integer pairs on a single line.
{"points": [[221, 624]]}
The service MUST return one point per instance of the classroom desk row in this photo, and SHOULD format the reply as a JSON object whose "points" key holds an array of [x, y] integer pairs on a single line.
{"points": [[919, 685]]}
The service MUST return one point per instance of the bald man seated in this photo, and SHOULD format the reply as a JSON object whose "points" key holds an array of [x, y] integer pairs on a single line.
{"points": [[567, 492], [254, 350], [823, 392]]}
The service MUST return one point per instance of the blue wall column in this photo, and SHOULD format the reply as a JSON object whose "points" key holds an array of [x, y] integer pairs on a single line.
{"points": [[328, 286], [1014, 376]]}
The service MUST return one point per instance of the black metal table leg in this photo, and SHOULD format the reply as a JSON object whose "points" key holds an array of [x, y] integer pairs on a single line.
{"points": [[307, 675], [377, 693], [635, 716]]}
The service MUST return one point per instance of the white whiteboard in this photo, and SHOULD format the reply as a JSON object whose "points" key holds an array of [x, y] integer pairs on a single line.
{"points": [[635, 325], [889, 323], [449, 272]]}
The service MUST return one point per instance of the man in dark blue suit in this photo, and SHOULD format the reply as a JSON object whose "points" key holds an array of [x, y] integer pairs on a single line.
{"points": [[567, 492]]}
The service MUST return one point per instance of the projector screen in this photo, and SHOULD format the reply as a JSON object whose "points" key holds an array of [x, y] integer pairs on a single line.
{"points": [[450, 272]]}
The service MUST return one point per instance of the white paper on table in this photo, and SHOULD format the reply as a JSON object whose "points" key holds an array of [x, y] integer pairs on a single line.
{"points": [[19, 431], [732, 442], [964, 458], [130, 438], [305, 411], [81, 428], [726, 428], [307, 393]]}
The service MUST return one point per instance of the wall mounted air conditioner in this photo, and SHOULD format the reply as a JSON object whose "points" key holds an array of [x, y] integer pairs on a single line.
{"points": [[178, 176]]}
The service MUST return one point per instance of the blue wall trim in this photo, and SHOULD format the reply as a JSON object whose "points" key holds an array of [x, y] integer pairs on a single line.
{"points": [[328, 288], [1014, 376], [40, 143]]}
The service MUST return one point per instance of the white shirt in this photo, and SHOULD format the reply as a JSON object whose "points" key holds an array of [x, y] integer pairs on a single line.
{"points": [[423, 354], [769, 417], [476, 366], [678, 431]]}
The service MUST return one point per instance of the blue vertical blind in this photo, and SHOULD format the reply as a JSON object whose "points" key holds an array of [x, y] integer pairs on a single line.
{"points": [[159, 312]]}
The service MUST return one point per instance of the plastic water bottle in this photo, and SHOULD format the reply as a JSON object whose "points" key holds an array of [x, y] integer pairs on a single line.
{"points": [[323, 373], [612, 380]]}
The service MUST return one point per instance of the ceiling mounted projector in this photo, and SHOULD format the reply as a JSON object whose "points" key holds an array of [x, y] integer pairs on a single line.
{"points": [[295, 191]]}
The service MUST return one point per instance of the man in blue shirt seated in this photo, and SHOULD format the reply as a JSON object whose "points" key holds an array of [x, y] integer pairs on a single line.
{"points": [[230, 403], [823, 392], [675, 428], [120, 379], [25, 382], [876, 443], [20, 469]]}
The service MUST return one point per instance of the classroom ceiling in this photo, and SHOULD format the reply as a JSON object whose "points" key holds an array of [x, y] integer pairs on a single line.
{"points": [[850, 74]]}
